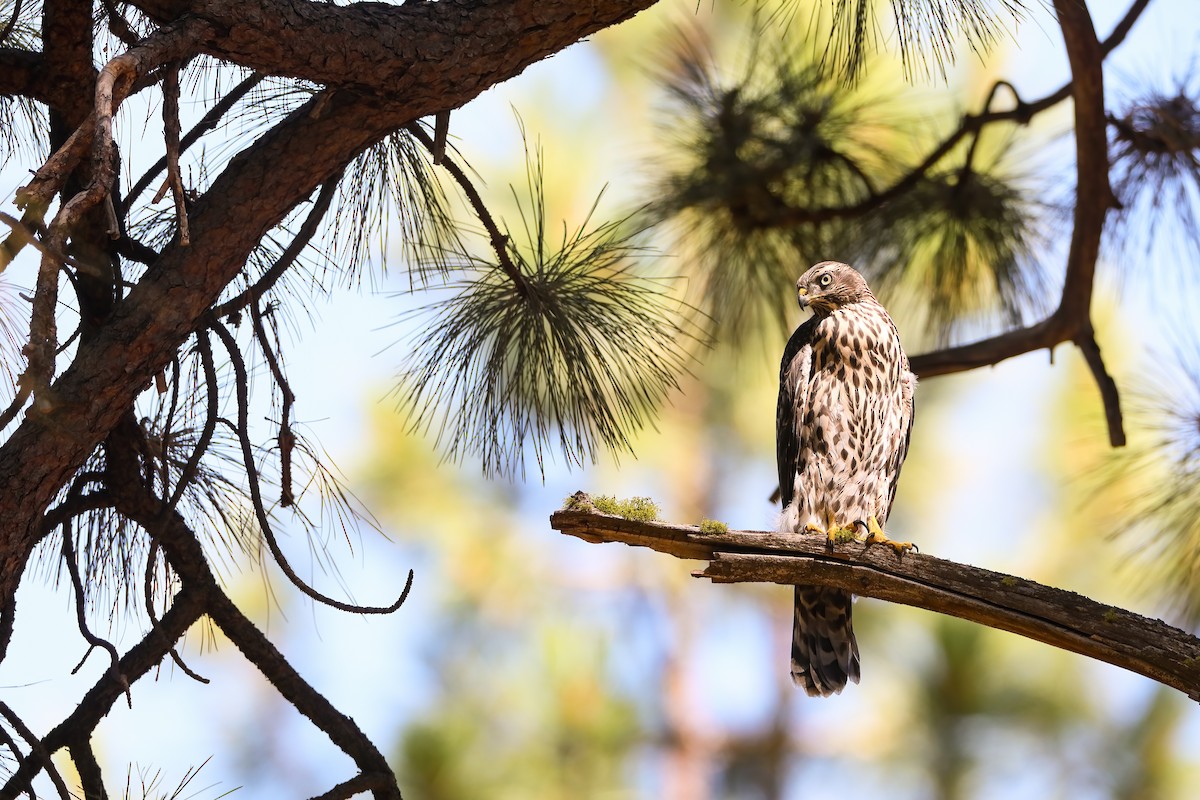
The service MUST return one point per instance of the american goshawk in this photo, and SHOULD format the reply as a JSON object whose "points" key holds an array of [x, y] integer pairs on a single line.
{"points": [[843, 423]]}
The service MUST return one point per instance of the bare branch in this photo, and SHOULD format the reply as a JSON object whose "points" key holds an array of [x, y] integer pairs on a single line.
{"points": [[38, 751], [260, 509], [1086, 342], [360, 783], [1056, 617], [171, 134], [206, 124], [95, 705], [94, 641], [183, 550], [286, 438], [148, 591], [498, 239], [23, 235], [1071, 321]]}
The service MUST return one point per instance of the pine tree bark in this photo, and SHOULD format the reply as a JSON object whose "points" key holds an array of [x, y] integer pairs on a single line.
{"points": [[385, 67]]}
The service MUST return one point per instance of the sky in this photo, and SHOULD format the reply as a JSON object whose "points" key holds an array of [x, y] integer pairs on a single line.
{"points": [[340, 381]]}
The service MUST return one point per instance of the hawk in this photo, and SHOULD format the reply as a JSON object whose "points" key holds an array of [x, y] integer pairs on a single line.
{"points": [[843, 423]]}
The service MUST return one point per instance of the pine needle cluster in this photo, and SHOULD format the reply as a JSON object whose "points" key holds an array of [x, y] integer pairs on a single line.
{"points": [[560, 342]]}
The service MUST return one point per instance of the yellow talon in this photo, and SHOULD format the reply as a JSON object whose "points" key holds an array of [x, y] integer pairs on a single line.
{"points": [[875, 535]]}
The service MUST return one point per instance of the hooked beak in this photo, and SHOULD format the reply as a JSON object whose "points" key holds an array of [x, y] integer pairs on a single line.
{"points": [[802, 297]]}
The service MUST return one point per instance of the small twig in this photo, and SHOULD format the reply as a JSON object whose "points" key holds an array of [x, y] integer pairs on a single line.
{"points": [[148, 591], [1108, 388], [498, 239], [1056, 617], [134, 250], [25, 236], [969, 159], [94, 641], [256, 500], [24, 389], [110, 217], [38, 751], [168, 427], [192, 466], [8, 616], [118, 24], [52, 176], [362, 782], [11, 743], [441, 132], [286, 439], [171, 134], [206, 124]]}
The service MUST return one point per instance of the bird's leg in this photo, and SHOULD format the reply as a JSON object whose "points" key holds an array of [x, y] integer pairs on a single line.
{"points": [[875, 535]]}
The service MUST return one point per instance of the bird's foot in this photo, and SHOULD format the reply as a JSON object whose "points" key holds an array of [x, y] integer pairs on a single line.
{"points": [[875, 535]]}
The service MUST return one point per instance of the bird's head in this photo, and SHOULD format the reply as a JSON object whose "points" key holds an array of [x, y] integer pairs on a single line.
{"points": [[828, 286]]}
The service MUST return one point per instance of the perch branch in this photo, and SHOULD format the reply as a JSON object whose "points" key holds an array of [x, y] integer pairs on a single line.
{"points": [[1053, 616]]}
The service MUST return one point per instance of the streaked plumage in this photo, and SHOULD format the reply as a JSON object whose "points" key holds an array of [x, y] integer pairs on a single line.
{"points": [[842, 430]]}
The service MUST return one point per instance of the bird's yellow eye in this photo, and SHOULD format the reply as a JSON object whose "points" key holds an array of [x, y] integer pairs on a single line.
{"points": [[825, 280]]}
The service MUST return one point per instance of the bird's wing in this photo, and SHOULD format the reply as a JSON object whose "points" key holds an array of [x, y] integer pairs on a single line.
{"points": [[795, 372], [903, 436]]}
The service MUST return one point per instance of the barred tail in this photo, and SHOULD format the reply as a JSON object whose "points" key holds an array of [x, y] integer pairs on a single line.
{"points": [[824, 651]]}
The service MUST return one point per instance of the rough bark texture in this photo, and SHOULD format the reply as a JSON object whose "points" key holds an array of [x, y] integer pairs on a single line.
{"points": [[1059, 618]]}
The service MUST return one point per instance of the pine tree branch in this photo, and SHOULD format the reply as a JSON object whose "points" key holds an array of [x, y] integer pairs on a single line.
{"points": [[1071, 321], [182, 549], [186, 608], [1053, 616]]}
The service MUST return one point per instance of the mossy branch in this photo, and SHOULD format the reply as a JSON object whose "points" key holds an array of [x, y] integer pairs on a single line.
{"points": [[1053, 616]]}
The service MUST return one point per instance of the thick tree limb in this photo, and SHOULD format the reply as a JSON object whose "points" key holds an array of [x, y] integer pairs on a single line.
{"points": [[1056, 617], [383, 49]]}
